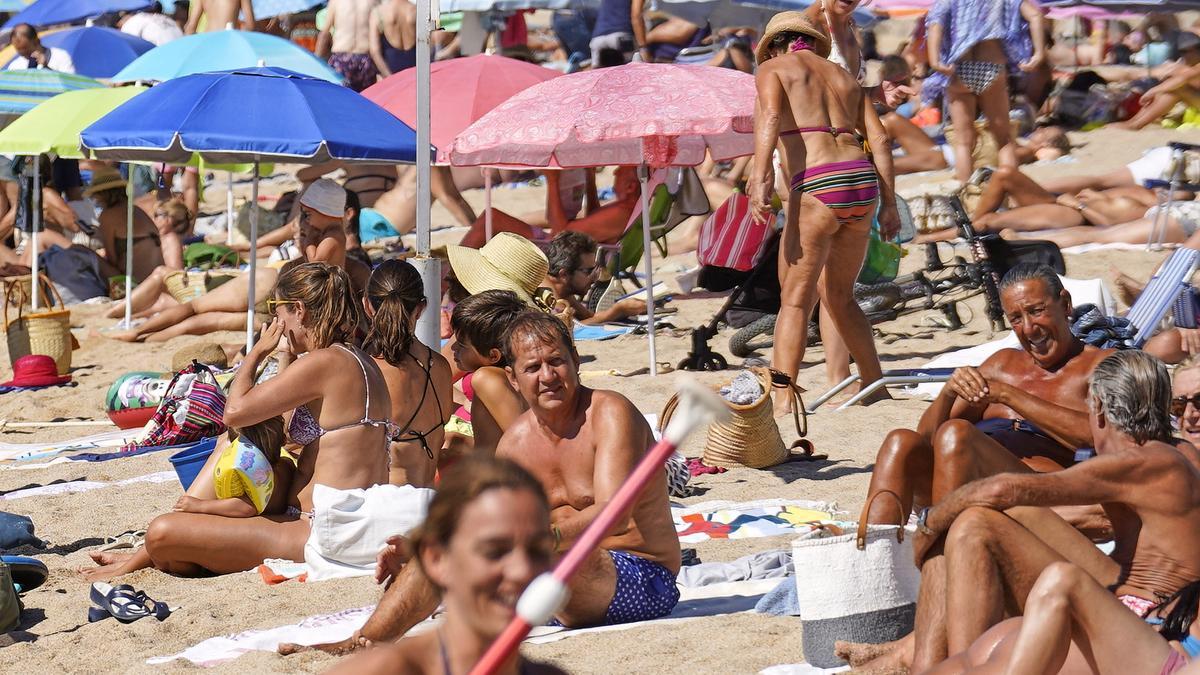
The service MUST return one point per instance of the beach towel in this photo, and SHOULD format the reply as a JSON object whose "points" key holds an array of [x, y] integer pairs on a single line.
{"points": [[748, 520], [23, 451], [350, 527], [584, 332], [71, 487]]}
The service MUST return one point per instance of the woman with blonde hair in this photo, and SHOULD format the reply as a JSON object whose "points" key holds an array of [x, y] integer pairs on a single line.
{"points": [[174, 223], [340, 406]]}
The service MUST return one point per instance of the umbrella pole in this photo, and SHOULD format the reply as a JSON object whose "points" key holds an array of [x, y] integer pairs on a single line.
{"points": [[35, 223], [129, 250], [253, 260], [229, 210], [487, 203], [643, 176], [429, 328]]}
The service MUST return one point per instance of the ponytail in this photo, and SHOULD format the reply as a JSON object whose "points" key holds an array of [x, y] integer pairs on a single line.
{"points": [[395, 291]]}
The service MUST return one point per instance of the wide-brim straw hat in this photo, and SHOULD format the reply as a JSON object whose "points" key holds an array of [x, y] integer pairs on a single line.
{"points": [[509, 262], [791, 22], [104, 179]]}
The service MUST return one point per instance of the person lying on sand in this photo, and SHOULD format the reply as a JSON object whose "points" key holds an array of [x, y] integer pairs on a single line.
{"points": [[485, 538], [573, 270], [603, 222], [581, 444], [1020, 405], [205, 495], [340, 406], [1180, 224], [982, 548]]}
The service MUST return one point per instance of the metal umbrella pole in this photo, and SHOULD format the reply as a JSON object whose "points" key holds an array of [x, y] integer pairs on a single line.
{"points": [[643, 177], [429, 324], [253, 260], [129, 250], [487, 203], [229, 216]]}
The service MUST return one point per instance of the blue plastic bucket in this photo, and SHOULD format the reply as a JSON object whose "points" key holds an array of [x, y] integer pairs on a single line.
{"points": [[189, 461]]}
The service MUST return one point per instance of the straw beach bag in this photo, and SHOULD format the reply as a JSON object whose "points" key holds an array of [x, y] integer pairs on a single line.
{"points": [[858, 587], [47, 331], [185, 287], [751, 437]]}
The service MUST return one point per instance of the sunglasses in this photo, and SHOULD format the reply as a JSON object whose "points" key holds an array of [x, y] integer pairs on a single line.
{"points": [[273, 304], [1179, 404]]}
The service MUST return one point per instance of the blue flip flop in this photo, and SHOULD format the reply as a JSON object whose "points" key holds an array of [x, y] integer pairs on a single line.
{"points": [[124, 603], [27, 573]]}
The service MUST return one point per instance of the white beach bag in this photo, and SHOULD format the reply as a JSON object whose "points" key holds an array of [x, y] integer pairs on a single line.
{"points": [[350, 527], [859, 587]]}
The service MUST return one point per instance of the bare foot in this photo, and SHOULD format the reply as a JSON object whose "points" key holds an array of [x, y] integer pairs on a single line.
{"points": [[859, 653], [1010, 234], [895, 661], [781, 401], [123, 335], [109, 568], [1128, 288], [110, 557], [340, 648]]}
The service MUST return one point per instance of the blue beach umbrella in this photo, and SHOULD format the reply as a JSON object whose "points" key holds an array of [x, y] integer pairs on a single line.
{"points": [[265, 9], [54, 12], [223, 50], [21, 90], [12, 5], [251, 115], [98, 51]]}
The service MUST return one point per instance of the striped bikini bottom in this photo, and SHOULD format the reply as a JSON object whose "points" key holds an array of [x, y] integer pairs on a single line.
{"points": [[849, 189]]}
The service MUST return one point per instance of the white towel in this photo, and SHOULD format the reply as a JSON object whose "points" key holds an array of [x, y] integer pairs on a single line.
{"points": [[350, 527]]}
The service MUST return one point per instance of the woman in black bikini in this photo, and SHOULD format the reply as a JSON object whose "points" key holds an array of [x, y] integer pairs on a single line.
{"points": [[486, 536], [108, 191], [418, 378]]}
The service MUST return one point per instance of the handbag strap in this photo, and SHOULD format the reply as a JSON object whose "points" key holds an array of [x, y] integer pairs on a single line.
{"points": [[799, 414], [861, 539], [668, 410]]}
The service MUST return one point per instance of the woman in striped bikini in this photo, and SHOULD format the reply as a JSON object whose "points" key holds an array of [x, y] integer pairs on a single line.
{"points": [[815, 112]]}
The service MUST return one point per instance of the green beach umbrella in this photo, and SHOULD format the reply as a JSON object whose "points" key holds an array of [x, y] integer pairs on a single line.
{"points": [[53, 126]]}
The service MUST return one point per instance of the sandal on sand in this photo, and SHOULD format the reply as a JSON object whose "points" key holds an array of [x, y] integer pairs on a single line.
{"points": [[127, 539], [124, 603]]}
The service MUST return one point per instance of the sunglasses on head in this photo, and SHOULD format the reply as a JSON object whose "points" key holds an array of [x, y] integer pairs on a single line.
{"points": [[1179, 404]]}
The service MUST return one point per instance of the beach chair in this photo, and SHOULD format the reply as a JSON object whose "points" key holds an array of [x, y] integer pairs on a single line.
{"points": [[1166, 286], [1182, 174], [897, 377]]}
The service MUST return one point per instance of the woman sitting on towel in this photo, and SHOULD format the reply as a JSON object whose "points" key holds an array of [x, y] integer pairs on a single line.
{"points": [[485, 538], [340, 405], [418, 378]]}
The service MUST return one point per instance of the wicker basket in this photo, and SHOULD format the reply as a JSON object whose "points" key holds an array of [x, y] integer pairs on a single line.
{"points": [[751, 437], [44, 332], [23, 283], [186, 287]]}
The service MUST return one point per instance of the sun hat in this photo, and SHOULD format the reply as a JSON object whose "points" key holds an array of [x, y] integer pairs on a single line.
{"points": [[208, 353], [326, 197], [35, 370], [791, 22], [509, 262], [104, 178]]}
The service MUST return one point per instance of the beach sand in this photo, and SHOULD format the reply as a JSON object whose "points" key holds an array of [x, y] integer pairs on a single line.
{"points": [[56, 637]]}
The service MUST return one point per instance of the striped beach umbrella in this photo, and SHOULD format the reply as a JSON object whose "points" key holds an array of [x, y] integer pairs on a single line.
{"points": [[21, 90]]}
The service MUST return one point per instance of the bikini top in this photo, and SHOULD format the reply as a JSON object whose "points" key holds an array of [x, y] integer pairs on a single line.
{"points": [[836, 131], [304, 428], [409, 434]]}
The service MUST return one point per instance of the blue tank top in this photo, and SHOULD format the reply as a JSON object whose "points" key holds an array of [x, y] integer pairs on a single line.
{"points": [[615, 16]]}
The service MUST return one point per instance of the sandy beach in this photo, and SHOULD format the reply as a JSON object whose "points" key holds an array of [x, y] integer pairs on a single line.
{"points": [[56, 637]]}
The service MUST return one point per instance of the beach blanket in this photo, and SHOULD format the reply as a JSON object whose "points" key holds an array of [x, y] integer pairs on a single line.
{"points": [[1115, 246], [115, 438], [91, 457], [71, 487], [748, 520], [694, 603], [584, 332]]}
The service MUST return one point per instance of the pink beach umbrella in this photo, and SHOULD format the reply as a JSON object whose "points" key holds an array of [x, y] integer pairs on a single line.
{"points": [[642, 114], [460, 92]]}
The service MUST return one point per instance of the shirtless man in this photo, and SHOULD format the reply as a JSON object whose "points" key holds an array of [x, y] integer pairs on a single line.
{"points": [[218, 14], [581, 445], [394, 36], [1020, 404], [395, 211], [572, 257], [998, 534], [345, 42]]}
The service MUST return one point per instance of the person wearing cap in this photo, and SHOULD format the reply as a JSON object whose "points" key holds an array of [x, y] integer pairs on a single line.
{"points": [[816, 113], [107, 190], [1182, 86]]}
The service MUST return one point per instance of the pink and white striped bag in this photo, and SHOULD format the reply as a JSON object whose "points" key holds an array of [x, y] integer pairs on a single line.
{"points": [[730, 238]]}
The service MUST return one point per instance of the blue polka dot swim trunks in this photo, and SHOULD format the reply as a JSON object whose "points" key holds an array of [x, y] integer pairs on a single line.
{"points": [[645, 590]]}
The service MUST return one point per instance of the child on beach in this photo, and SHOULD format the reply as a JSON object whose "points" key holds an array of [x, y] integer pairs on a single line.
{"points": [[249, 476]]}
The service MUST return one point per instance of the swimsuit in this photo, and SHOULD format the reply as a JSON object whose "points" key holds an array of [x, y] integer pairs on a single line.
{"points": [[1175, 660], [305, 429], [998, 427], [978, 75], [1186, 215], [407, 433], [358, 69], [645, 590], [396, 59], [850, 189]]}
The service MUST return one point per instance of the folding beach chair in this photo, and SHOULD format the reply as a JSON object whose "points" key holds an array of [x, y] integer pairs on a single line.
{"points": [[1183, 173], [902, 376], [1163, 289]]}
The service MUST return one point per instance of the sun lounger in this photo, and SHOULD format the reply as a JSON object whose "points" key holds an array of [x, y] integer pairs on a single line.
{"points": [[1171, 279], [1176, 178]]}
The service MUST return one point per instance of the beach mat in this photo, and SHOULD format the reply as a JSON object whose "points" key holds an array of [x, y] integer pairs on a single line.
{"points": [[749, 520], [71, 487], [10, 452]]}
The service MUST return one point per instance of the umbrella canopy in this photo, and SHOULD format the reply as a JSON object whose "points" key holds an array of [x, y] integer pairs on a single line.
{"points": [[639, 113], [223, 50], [13, 5], [97, 51], [54, 12], [21, 90], [265, 9], [511, 5], [251, 115], [1125, 6], [53, 127], [461, 91], [722, 13]]}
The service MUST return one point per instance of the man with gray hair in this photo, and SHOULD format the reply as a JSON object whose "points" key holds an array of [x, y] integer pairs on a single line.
{"points": [[998, 533]]}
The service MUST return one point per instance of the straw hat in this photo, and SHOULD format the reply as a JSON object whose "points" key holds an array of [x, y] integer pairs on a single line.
{"points": [[508, 262], [104, 178], [791, 22], [208, 353], [325, 196]]}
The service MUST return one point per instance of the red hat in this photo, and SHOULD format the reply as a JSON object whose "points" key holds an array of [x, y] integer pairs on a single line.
{"points": [[35, 370]]}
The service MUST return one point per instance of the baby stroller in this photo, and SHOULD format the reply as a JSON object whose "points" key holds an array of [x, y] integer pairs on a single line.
{"points": [[940, 284]]}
